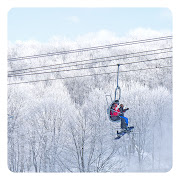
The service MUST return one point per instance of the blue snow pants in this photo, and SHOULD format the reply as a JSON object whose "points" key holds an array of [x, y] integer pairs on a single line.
{"points": [[125, 118]]}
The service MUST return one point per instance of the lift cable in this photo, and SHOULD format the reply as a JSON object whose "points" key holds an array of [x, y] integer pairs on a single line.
{"points": [[103, 59], [23, 82], [103, 66], [91, 48]]}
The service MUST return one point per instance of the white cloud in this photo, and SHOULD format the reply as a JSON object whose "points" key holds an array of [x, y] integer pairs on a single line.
{"points": [[73, 19]]}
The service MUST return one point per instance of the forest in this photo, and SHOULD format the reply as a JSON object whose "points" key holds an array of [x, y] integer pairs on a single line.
{"points": [[59, 93]]}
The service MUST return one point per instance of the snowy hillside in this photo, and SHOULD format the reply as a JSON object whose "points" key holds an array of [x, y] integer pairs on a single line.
{"points": [[60, 124]]}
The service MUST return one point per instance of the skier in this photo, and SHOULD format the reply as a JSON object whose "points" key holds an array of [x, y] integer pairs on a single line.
{"points": [[124, 120], [115, 111]]}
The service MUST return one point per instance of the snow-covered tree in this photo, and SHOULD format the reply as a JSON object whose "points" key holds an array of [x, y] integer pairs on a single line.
{"points": [[61, 125]]}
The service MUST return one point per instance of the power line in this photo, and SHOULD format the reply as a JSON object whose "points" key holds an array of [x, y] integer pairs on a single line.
{"points": [[150, 60], [88, 75], [122, 55], [91, 48]]}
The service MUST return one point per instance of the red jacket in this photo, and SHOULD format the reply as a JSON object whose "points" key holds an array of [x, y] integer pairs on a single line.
{"points": [[114, 110]]}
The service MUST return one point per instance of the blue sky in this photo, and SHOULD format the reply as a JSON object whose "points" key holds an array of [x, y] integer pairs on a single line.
{"points": [[41, 24]]}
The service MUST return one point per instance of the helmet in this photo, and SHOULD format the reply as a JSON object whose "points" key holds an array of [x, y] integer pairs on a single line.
{"points": [[116, 101]]}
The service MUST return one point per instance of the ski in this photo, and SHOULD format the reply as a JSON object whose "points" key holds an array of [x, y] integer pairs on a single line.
{"points": [[123, 132]]}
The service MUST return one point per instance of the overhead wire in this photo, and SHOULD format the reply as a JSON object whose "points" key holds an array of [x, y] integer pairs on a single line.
{"points": [[91, 48], [90, 59], [24, 82], [148, 60], [122, 56], [87, 49]]}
